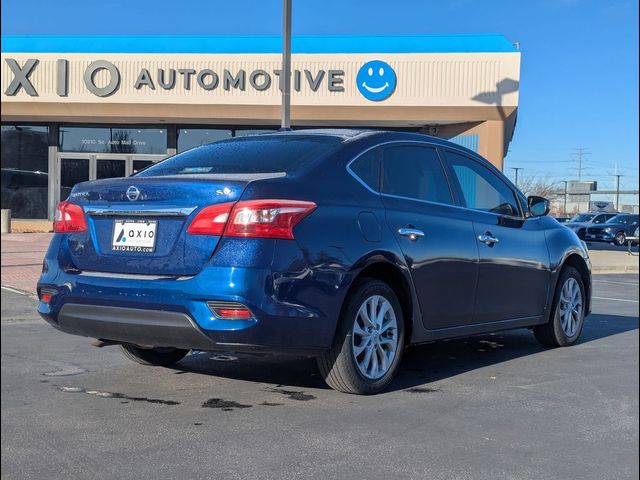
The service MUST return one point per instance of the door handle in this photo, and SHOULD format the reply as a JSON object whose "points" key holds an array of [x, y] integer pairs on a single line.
{"points": [[488, 239], [412, 233]]}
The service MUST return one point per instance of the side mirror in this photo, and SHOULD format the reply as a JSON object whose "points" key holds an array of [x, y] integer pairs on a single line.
{"points": [[538, 206]]}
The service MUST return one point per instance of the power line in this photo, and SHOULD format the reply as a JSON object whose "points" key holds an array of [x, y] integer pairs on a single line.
{"points": [[580, 153], [546, 161]]}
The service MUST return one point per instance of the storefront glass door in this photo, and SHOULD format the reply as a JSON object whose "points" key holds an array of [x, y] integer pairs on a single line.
{"points": [[111, 167], [79, 167], [72, 171]]}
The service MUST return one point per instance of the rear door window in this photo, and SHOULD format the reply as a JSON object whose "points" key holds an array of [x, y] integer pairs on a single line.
{"points": [[367, 168], [414, 171]]}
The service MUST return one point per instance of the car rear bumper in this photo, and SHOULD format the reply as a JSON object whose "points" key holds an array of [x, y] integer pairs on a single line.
{"points": [[163, 311], [158, 327], [132, 325]]}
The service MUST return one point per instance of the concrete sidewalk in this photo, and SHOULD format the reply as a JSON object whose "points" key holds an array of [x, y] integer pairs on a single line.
{"points": [[606, 261], [22, 255]]}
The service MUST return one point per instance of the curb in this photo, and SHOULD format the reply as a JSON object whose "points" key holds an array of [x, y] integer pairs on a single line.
{"points": [[621, 269]]}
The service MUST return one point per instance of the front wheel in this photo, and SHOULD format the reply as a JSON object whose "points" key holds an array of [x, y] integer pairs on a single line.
{"points": [[568, 313], [369, 341], [620, 239], [159, 357]]}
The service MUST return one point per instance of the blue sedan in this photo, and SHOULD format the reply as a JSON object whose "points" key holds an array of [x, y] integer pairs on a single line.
{"points": [[345, 245]]}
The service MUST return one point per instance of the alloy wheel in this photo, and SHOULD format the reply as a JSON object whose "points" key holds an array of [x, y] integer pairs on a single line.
{"points": [[571, 307], [375, 337]]}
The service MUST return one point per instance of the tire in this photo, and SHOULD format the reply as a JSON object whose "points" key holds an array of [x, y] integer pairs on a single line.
{"points": [[581, 233], [159, 357], [620, 239], [563, 330], [344, 367]]}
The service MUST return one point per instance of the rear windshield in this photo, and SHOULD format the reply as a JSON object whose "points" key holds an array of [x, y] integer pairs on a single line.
{"points": [[272, 154]]}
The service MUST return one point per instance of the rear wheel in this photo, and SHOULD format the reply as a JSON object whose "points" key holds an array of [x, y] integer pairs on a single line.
{"points": [[620, 239], [369, 341], [568, 314], [159, 357]]}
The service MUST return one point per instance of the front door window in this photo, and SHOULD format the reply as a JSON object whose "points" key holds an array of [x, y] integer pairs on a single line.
{"points": [[481, 189]]}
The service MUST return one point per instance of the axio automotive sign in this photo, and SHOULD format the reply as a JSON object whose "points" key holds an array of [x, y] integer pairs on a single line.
{"points": [[376, 80]]}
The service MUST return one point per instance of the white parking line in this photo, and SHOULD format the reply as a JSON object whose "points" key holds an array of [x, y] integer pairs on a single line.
{"points": [[14, 290], [616, 283], [617, 299]]}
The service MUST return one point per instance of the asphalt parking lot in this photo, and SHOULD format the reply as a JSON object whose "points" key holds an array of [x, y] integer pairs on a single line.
{"points": [[490, 407]]}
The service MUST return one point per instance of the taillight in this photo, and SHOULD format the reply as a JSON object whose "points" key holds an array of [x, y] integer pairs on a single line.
{"points": [[69, 218], [210, 220], [252, 219], [267, 218]]}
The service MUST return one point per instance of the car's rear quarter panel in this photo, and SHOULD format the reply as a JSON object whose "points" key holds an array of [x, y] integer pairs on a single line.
{"points": [[330, 249]]}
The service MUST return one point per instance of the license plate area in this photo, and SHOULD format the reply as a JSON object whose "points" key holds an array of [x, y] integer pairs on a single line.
{"points": [[137, 236]]}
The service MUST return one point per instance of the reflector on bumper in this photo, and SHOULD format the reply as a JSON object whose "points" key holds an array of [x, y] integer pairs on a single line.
{"points": [[229, 310]]}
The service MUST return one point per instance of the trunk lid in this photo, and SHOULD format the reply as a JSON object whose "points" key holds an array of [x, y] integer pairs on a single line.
{"points": [[138, 225]]}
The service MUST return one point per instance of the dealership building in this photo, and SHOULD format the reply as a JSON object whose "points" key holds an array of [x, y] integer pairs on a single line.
{"points": [[82, 108]]}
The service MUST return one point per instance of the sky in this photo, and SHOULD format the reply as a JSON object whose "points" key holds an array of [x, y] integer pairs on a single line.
{"points": [[579, 72]]}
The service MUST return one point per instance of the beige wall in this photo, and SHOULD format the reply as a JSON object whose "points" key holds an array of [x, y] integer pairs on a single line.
{"points": [[474, 90], [456, 79]]}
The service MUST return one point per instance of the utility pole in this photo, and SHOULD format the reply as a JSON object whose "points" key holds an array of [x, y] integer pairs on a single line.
{"points": [[517, 169], [285, 124], [618, 175], [580, 153], [564, 209]]}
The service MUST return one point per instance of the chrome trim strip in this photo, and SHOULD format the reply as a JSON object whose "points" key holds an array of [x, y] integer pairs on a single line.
{"points": [[133, 276], [429, 202], [137, 211]]}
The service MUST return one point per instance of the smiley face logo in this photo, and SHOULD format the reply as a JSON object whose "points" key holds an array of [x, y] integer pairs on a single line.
{"points": [[376, 80]]}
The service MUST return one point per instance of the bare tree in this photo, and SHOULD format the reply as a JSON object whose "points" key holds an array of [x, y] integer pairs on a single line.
{"points": [[540, 186]]}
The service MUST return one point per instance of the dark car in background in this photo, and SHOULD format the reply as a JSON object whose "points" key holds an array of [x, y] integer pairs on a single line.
{"points": [[344, 245], [615, 230], [582, 221]]}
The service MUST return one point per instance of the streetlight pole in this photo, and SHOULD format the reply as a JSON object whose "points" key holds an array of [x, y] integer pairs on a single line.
{"points": [[517, 169], [617, 175], [564, 210], [285, 123]]}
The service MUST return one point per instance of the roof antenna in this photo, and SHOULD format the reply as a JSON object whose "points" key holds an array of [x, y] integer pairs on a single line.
{"points": [[285, 124]]}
